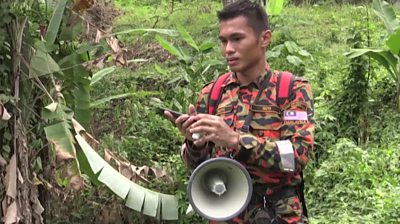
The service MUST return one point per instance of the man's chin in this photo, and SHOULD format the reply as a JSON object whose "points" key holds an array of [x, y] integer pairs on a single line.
{"points": [[234, 68]]}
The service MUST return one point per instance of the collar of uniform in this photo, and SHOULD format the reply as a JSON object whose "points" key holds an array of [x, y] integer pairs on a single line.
{"points": [[258, 82]]}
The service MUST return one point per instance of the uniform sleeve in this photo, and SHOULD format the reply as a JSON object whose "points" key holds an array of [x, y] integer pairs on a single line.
{"points": [[292, 151], [191, 155]]}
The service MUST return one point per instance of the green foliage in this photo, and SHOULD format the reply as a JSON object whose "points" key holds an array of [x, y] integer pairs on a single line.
{"points": [[275, 7], [285, 53], [195, 67], [390, 59], [293, 54], [4, 44], [354, 185], [350, 104], [55, 21]]}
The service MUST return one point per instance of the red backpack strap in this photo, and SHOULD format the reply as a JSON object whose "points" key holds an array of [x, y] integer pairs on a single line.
{"points": [[216, 93], [284, 87]]}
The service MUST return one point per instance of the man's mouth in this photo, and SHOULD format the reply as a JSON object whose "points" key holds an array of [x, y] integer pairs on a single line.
{"points": [[232, 61]]}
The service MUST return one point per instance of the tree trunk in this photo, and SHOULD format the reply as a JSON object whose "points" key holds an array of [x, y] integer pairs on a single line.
{"points": [[27, 196], [227, 2]]}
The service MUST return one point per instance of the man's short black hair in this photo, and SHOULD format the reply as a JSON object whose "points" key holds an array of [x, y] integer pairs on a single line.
{"points": [[256, 16]]}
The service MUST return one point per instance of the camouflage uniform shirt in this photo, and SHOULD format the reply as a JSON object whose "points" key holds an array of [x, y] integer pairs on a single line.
{"points": [[266, 128]]}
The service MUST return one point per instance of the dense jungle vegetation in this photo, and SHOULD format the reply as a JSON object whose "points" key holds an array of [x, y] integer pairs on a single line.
{"points": [[82, 75]]}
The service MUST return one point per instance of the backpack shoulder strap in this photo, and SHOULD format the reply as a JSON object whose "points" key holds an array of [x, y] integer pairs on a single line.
{"points": [[215, 94], [284, 87]]}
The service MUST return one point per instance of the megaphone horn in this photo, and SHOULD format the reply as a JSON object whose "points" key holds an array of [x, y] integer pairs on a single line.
{"points": [[220, 189]]}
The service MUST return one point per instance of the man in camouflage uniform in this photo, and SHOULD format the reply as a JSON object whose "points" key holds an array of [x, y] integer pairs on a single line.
{"points": [[276, 130]]}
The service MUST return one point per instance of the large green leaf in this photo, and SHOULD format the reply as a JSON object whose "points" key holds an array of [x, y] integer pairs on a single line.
{"points": [[169, 47], [136, 197], [55, 22], [387, 14], [169, 204], [151, 203], [384, 57], [206, 46], [186, 58], [74, 59], [294, 60], [60, 135], [76, 84], [275, 7], [56, 112], [42, 63], [161, 31], [292, 47], [186, 37], [100, 74], [393, 42], [120, 96], [85, 167], [82, 103]]}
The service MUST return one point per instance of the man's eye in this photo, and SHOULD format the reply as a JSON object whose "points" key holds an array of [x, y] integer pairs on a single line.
{"points": [[236, 39]]}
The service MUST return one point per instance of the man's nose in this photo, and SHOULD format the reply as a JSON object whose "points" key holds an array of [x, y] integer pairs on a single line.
{"points": [[229, 48]]}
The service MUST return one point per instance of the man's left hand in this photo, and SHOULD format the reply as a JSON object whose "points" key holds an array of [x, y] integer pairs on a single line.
{"points": [[214, 129]]}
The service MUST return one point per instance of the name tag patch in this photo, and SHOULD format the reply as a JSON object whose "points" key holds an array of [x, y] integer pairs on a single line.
{"points": [[293, 116]]}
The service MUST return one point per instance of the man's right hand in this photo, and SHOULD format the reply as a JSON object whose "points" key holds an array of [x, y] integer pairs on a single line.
{"points": [[184, 122]]}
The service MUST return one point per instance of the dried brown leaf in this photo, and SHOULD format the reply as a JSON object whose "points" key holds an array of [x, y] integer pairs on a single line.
{"points": [[143, 171], [11, 213], [61, 154], [99, 35], [19, 176], [110, 157], [107, 156], [9, 204], [77, 182], [82, 4], [121, 58], [162, 174], [3, 162], [37, 208], [88, 137], [126, 170], [11, 178], [4, 115], [114, 44]]}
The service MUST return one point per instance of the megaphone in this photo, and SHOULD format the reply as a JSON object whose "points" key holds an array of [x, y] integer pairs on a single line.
{"points": [[219, 189]]}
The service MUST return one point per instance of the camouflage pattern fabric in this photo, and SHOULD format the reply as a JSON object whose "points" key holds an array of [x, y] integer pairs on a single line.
{"points": [[263, 160], [283, 211]]}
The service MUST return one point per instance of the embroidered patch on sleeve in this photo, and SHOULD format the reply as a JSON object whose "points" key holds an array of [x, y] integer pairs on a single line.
{"points": [[293, 116]]}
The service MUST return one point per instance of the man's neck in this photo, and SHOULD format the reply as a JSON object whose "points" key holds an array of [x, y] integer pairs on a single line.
{"points": [[252, 74]]}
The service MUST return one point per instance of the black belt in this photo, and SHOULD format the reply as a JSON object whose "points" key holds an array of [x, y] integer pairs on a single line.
{"points": [[259, 193]]}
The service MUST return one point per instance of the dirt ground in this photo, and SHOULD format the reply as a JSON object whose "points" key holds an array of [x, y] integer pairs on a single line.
{"points": [[101, 16]]}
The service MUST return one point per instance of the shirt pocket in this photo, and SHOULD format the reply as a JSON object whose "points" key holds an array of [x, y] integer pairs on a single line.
{"points": [[267, 121]]}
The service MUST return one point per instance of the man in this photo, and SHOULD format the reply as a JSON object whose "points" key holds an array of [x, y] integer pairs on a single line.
{"points": [[274, 131]]}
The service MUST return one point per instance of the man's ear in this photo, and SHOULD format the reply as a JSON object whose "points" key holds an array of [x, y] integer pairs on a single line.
{"points": [[265, 37]]}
